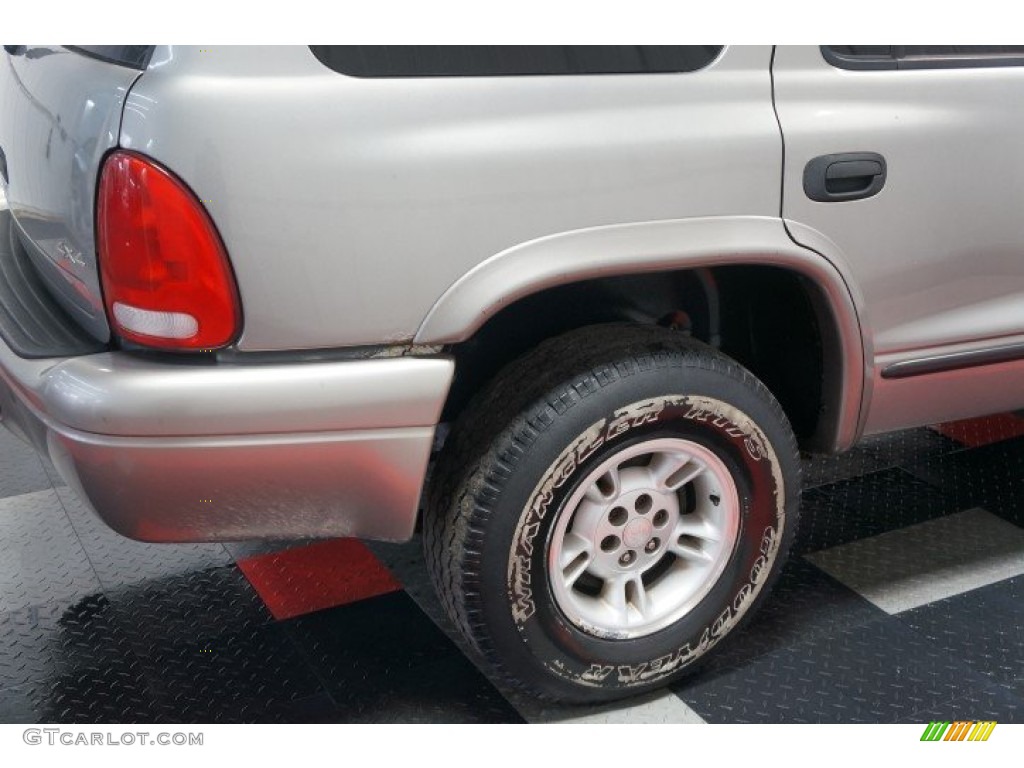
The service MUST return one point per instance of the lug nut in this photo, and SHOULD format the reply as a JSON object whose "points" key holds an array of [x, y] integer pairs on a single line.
{"points": [[651, 545], [627, 557]]}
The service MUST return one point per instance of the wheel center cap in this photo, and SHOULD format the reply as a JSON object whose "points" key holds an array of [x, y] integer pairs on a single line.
{"points": [[637, 533]]}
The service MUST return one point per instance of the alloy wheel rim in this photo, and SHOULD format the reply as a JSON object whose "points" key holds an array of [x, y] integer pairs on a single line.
{"points": [[644, 538]]}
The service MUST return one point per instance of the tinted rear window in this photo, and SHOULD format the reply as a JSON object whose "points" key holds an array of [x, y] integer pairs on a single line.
{"points": [[505, 60], [134, 56], [923, 56]]}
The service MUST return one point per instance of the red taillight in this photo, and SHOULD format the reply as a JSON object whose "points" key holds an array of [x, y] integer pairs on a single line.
{"points": [[166, 278]]}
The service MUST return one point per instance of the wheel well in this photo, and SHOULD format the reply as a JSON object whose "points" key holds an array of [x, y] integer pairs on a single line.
{"points": [[772, 320]]}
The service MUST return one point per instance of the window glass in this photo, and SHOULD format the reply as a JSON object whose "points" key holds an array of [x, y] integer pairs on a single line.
{"points": [[501, 60], [862, 50], [134, 56], [922, 56], [907, 51]]}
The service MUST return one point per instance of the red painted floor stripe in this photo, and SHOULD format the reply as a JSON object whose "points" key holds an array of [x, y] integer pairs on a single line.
{"points": [[983, 431], [297, 581]]}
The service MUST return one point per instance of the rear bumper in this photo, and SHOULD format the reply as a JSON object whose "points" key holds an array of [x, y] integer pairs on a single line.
{"points": [[176, 452]]}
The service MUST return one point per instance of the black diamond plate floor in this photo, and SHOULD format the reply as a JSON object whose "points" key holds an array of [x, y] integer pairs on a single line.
{"points": [[903, 602]]}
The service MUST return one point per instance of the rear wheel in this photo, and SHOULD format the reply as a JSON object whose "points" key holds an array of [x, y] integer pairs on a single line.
{"points": [[609, 510]]}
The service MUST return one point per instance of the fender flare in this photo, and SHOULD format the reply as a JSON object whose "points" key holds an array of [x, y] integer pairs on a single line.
{"points": [[667, 245]]}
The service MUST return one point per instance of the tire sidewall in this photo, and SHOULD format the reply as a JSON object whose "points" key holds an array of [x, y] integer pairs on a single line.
{"points": [[720, 413]]}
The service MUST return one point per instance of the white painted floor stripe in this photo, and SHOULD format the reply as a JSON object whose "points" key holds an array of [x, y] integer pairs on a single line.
{"points": [[660, 707], [18, 504], [930, 561]]}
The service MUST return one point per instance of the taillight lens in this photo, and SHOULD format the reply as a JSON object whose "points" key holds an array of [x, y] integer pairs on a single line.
{"points": [[167, 282]]}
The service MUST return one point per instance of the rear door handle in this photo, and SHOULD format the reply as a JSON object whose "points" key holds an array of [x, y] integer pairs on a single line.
{"points": [[844, 176]]}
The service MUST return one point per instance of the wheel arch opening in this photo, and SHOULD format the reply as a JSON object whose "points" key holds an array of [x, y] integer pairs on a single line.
{"points": [[775, 321]]}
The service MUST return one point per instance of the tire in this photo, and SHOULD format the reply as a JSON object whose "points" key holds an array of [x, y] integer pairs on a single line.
{"points": [[554, 460]]}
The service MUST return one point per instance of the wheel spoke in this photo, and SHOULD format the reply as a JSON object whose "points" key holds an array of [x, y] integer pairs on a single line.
{"points": [[574, 558], [636, 593], [606, 487], [614, 594], [575, 569], [574, 546], [689, 552], [671, 471], [698, 528], [624, 591]]}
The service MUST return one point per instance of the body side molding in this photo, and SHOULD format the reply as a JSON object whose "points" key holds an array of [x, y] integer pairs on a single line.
{"points": [[939, 363]]}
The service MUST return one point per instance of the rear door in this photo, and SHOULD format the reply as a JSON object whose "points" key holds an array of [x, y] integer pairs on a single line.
{"points": [[911, 160], [60, 111]]}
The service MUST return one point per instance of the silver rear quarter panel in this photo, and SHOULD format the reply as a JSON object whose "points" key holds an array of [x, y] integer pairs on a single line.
{"points": [[349, 206]]}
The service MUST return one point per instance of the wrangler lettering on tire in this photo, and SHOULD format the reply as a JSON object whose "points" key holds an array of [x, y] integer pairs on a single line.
{"points": [[609, 509]]}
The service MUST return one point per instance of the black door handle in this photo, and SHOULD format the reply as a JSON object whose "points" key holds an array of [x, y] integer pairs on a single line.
{"points": [[845, 176]]}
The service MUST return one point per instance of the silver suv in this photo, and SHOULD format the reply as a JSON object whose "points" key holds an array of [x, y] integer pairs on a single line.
{"points": [[605, 295]]}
